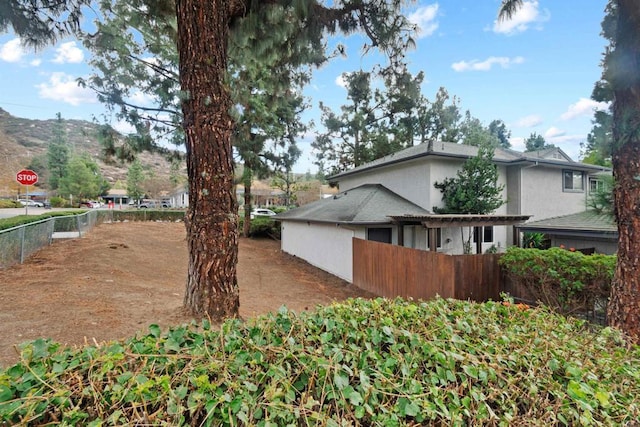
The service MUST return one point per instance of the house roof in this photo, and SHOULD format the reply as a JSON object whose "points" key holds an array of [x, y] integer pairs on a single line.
{"points": [[462, 151], [366, 204], [585, 224]]}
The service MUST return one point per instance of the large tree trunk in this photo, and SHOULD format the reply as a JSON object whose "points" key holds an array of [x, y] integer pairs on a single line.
{"points": [[212, 217], [624, 305]]}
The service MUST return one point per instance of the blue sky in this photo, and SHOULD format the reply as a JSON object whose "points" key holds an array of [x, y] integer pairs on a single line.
{"points": [[535, 72]]}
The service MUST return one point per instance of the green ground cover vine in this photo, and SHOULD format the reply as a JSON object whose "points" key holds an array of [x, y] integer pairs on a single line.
{"points": [[365, 362]]}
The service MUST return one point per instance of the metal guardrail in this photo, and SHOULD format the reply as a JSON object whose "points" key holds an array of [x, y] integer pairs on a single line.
{"points": [[18, 243]]}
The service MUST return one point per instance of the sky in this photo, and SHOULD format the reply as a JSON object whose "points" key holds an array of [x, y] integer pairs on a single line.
{"points": [[535, 72]]}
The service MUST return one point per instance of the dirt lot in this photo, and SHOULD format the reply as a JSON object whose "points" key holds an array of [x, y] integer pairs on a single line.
{"points": [[122, 277]]}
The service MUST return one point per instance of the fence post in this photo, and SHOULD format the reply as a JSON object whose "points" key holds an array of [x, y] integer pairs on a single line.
{"points": [[52, 228], [22, 245], [78, 225]]}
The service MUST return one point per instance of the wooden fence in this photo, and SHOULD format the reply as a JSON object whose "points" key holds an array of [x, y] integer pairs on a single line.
{"points": [[390, 271]]}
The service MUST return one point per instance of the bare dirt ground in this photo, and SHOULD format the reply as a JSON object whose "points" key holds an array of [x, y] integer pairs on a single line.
{"points": [[122, 277]]}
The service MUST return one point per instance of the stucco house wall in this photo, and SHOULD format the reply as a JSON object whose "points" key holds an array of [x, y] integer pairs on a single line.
{"points": [[542, 194], [326, 246], [409, 180]]}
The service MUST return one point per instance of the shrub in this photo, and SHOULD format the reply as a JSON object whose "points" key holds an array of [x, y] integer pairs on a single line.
{"points": [[564, 280], [8, 204], [141, 215], [59, 202], [362, 362], [261, 226], [15, 221]]}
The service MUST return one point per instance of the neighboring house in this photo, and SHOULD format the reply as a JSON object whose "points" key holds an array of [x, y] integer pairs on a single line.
{"points": [[117, 196], [262, 194], [588, 231], [540, 184], [179, 197]]}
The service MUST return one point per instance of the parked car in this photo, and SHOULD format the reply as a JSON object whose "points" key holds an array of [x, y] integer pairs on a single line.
{"points": [[261, 212], [31, 203], [154, 204], [147, 204], [90, 204]]}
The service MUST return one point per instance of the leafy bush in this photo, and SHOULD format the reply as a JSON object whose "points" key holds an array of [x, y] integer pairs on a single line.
{"points": [[564, 280], [261, 226], [363, 362], [8, 204], [59, 202], [535, 241]]}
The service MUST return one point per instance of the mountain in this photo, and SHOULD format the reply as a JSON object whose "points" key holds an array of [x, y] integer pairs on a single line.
{"points": [[23, 139]]}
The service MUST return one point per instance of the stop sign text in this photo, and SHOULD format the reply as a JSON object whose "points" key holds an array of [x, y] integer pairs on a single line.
{"points": [[27, 177]]}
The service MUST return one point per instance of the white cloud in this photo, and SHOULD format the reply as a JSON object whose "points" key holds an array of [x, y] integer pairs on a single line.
{"points": [[141, 99], [68, 53], [475, 65], [36, 62], [425, 19], [584, 107], [528, 15], [340, 81], [517, 143], [553, 132], [12, 51], [63, 87], [529, 121]]}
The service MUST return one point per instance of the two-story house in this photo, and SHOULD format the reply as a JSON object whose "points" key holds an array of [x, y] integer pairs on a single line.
{"points": [[391, 200]]}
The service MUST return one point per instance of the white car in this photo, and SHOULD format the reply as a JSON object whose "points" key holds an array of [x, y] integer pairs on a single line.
{"points": [[31, 203], [261, 212]]}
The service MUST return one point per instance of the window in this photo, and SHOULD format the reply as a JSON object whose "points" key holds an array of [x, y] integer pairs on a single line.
{"points": [[573, 181], [382, 235], [438, 238], [487, 234], [595, 185]]}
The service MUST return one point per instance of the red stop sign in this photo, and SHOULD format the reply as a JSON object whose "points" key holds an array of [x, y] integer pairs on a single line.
{"points": [[27, 177]]}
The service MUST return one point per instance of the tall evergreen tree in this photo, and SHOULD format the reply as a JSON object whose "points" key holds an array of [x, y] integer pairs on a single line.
{"points": [[535, 142], [473, 132], [58, 153], [499, 129], [351, 136], [440, 120]]}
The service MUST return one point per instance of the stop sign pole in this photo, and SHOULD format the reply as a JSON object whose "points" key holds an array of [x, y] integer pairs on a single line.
{"points": [[27, 177]]}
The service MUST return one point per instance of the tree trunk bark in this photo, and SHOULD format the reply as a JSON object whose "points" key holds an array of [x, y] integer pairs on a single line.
{"points": [[623, 310], [212, 216]]}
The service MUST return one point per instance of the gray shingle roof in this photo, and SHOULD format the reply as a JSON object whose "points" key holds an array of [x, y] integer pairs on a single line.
{"points": [[367, 204], [453, 150], [589, 222]]}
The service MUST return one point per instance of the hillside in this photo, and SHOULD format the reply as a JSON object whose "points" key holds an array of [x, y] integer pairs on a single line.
{"points": [[22, 139]]}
